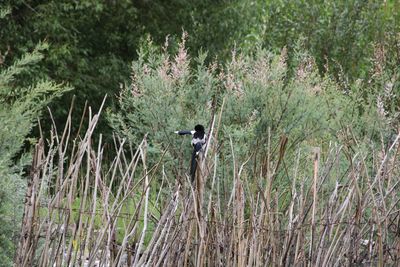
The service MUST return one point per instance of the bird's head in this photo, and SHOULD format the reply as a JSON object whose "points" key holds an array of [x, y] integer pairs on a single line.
{"points": [[199, 128]]}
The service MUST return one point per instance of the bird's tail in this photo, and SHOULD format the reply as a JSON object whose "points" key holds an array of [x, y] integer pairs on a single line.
{"points": [[193, 165]]}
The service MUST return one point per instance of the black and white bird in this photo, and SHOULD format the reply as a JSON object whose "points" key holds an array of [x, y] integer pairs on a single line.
{"points": [[198, 141]]}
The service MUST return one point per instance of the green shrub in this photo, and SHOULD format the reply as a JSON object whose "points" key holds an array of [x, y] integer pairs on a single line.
{"points": [[260, 95], [19, 109]]}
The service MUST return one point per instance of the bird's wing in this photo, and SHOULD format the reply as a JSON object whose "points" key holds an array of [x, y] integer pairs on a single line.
{"points": [[183, 132]]}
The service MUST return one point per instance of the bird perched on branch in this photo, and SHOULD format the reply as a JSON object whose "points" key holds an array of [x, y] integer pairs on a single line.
{"points": [[198, 141]]}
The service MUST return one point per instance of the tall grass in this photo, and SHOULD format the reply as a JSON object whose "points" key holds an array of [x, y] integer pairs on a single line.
{"points": [[83, 211]]}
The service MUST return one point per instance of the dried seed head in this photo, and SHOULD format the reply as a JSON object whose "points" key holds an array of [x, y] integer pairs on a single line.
{"points": [[180, 66], [381, 107]]}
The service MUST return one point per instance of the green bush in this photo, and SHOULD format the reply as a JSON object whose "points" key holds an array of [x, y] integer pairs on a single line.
{"points": [[260, 95], [19, 109]]}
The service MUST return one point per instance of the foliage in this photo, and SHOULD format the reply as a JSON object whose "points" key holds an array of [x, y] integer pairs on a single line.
{"points": [[87, 48], [311, 73], [19, 108], [258, 99], [93, 41]]}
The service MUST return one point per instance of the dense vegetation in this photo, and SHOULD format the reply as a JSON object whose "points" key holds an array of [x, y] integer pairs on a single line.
{"points": [[309, 73], [19, 109]]}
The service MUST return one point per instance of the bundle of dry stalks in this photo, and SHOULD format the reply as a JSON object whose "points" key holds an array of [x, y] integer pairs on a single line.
{"points": [[76, 210]]}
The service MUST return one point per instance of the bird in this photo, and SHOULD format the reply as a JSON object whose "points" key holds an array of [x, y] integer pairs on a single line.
{"points": [[198, 141]]}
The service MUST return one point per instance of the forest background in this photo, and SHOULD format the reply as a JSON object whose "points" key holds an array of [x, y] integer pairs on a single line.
{"points": [[348, 52]]}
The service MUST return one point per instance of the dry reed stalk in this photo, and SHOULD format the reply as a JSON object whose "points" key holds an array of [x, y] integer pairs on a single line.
{"points": [[97, 168], [314, 204], [289, 236], [26, 245], [83, 212], [299, 251]]}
